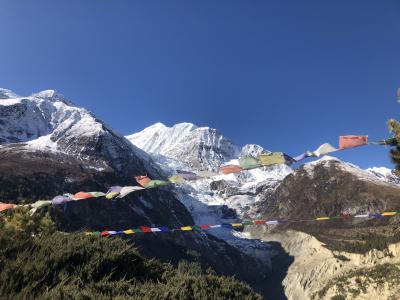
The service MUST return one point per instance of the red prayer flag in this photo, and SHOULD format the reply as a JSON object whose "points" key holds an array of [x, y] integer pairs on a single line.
{"points": [[228, 169], [5, 206], [204, 226], [145, 229], [351, 141], [259, 222], [82, 195], [142, 180]]}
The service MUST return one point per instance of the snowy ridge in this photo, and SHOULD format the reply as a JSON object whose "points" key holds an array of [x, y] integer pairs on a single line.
{"points": [[375, 175], [47, 121], [384, 174]]}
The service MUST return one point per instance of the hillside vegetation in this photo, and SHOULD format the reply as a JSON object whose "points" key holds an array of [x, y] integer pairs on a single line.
{"points": [[36, 261]]}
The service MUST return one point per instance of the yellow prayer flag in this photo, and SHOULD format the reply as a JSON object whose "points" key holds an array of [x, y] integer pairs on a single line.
{"points": [[389, 213], [129, 231], [237, 224], [186, 228], [322, 218]]}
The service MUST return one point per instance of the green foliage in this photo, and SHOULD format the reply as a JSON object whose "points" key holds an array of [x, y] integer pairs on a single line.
{"points": [[366, 277], [394, 127], [37, 262], [338, 297], [371, 241]]}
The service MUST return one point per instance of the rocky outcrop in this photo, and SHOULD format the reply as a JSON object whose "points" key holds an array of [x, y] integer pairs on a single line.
{"points": [[320, 273]]}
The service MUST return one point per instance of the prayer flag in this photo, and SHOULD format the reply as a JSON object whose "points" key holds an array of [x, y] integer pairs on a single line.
{"points": [[259, 222], [155, 183], [322, 218], [228, 169], [206, 174], [6, 206], [60, 200], [249, 162], [129, 231], [165, 229], [142, 180], [176, 179], [97, 194], [82, 195], [215, 226], [145, 229], [126, 190], [273, 158], [388, 142], [187, 175], [351, 141], [186, 228], [301, 157], [323, 150], [389, 213], [361, 216]]}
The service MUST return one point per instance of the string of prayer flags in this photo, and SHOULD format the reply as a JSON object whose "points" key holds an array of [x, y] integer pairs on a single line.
{"points": [[142, 180], [351, 141], [229, 169], [146, 229]]}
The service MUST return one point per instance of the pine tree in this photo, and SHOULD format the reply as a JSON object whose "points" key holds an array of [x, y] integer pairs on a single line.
{"points": [[394, 126]]}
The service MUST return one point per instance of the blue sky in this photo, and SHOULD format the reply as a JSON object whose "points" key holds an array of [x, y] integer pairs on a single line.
{"points": [[288, 75]]}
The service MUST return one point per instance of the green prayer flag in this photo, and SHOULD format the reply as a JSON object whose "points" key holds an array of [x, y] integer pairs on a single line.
{"points": [[249, 162]]}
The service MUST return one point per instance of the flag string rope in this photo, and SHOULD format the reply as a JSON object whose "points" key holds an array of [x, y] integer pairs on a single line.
{"points": [[147, 229], [245, 164]]}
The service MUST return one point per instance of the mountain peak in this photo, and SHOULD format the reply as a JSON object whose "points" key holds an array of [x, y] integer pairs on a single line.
{"points": [[7, 94], [200, 147]]}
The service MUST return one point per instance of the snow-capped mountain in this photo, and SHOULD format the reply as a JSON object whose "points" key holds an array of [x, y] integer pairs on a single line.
{"points": [[47, 121], [385, 174], [216, 200], [201, 148]]}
